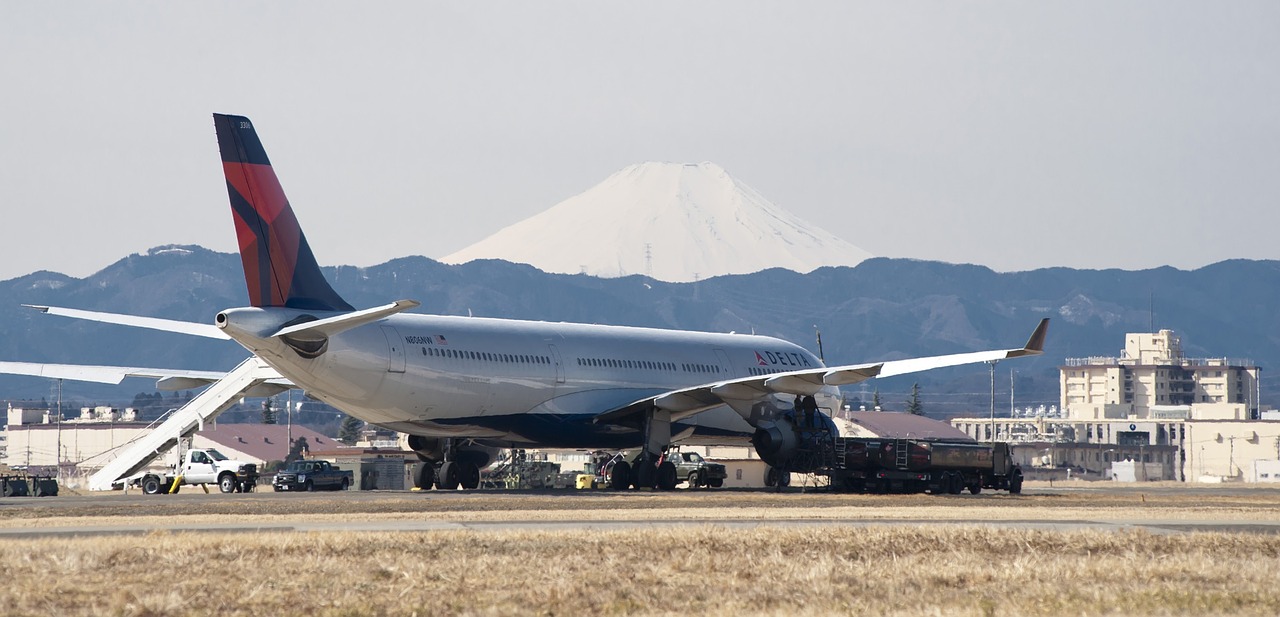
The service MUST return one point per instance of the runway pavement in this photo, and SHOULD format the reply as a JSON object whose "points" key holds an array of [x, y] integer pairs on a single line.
{"points": [[394, 511]]}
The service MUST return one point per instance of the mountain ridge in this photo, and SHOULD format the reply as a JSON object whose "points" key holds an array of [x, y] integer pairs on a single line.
{"points": [[881, 309]]}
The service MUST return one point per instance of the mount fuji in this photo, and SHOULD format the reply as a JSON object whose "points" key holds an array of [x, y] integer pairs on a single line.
{"points": [[674, 222]]}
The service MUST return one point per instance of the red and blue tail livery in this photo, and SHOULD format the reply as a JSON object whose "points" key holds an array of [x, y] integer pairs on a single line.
{"points": [[279, 268]]}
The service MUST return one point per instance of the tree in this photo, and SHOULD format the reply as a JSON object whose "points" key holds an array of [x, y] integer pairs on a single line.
{"points": [[913, 403], [875, 400], [268, 412], [297, 450], [350, 431]]}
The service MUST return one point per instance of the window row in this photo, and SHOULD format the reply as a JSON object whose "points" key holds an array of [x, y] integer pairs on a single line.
{"points": [[616, 363], [484, 356], [648, 365]]}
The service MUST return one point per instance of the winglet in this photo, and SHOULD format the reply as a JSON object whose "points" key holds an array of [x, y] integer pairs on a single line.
{"points": [[1035, 344]]}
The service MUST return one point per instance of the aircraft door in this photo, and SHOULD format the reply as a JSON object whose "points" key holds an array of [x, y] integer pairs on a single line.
{"points": [[726, 367], [555, 357], [395, 350]]}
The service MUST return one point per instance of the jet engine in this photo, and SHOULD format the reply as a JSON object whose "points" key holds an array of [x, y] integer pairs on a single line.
{"points": [[796, 444]]}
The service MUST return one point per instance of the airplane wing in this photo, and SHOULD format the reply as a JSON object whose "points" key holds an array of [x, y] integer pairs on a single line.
{"points": [[686, 402], [153, 323], [167, 379]]}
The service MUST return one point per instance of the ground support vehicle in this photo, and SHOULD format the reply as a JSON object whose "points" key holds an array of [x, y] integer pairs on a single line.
{"points": [[312, 476], [697, 471], [199, 467], [628, 469], [922, 465]]}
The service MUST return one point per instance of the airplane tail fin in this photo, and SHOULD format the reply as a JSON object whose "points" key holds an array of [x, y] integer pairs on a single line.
{"points": [[279, 267]]}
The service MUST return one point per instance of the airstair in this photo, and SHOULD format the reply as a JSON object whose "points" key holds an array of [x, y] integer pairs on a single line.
{"points": [[190, 418]]}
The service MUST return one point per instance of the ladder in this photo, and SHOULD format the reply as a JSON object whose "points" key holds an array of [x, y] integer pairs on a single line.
{"points": [[901, 451], [182, 423]]}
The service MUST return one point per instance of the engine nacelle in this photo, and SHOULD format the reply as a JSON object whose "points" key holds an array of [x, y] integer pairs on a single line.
{"points": [[776, 442], [795, 446]]}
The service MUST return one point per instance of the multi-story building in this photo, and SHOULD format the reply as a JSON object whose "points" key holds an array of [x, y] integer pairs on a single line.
{"points": [[1151, 374], [1173, 417]]}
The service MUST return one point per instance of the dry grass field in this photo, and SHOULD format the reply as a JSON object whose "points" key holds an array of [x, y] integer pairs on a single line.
{"points": [[696, 570], [946, 567]]}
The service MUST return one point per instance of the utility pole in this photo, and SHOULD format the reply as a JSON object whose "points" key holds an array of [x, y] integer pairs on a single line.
{"points": [[1011, 408], [57, 455], [993, 363]]}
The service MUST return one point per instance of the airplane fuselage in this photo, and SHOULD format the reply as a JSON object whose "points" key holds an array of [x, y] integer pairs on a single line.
{"points": [[518, 382]]}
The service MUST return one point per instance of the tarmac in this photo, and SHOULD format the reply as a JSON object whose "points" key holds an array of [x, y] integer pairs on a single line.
{"points": [[99, 514]]}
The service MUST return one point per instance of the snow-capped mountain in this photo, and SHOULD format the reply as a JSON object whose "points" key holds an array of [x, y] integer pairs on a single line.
{"points": [[671, 221]]}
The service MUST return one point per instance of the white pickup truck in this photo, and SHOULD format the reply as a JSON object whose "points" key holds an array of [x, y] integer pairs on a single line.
{"points": [[207, 466]]}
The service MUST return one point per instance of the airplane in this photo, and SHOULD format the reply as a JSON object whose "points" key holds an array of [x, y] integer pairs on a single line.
{"points": [[462, 388]]}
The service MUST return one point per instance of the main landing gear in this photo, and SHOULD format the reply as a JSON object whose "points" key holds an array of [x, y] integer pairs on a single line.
{"points": [[645, 471], [448, 476], [459, 469]]}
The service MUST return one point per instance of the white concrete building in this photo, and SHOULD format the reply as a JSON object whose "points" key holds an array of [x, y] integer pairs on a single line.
{"points": [[1196, 418]]}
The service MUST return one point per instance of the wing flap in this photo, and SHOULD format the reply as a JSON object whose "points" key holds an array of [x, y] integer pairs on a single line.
{"points": [[102, 374], [167, 379]]}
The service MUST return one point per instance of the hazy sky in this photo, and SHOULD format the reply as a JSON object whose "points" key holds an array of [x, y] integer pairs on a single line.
{"points": [[1015, 135]]}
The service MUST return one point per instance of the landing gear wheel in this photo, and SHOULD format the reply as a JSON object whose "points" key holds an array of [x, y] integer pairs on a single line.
{"points": [[694, 480], [667, 476], [150, 486], [425, 476], [448, 478], [645, 474], [620, 476], [784, 478], [771, 476], [468, 476], [227, 483]]}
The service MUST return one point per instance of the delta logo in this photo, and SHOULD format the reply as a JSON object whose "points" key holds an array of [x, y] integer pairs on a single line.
{"points": [[782, 358]]}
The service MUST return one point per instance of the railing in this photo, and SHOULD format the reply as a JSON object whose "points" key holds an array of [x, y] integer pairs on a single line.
{"points": [[103, 458], [1112, 360]]}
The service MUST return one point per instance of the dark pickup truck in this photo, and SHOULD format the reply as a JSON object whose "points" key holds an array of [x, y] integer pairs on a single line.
{"points": [[697, 471], [311, 476]]}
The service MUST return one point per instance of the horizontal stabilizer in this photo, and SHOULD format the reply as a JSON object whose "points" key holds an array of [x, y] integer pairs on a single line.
{"points": [[104, 374], [137, 321], [333, 325]]}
